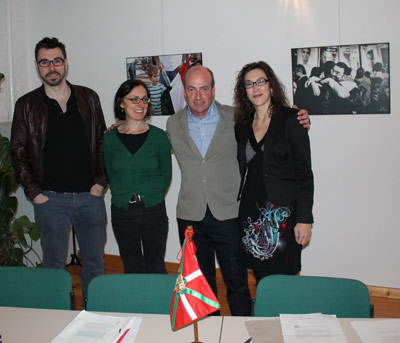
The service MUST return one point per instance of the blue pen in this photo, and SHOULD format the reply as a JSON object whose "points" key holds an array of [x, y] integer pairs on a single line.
{"points": [[249, 340]]}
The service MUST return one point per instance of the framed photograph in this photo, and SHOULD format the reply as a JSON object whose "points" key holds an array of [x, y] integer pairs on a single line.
{"points": [[345, 79], [163, 76]]}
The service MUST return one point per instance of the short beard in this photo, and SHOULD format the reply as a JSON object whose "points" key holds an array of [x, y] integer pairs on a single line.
{"points": [[54, 82]]}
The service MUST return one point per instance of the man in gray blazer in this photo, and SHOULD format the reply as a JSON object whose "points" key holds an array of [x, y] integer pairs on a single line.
{"points": [[203, 139]]}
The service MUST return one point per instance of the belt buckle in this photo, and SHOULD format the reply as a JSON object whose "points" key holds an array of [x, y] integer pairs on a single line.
{"points": [[135, 199]]}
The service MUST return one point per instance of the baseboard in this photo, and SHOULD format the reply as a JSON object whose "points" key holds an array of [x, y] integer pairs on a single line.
{"points": [[374, 291], [384, 292]]}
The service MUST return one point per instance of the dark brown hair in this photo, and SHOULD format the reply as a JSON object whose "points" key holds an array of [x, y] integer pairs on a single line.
{"points": [[243, 106], [125, 88], [50, 43]]}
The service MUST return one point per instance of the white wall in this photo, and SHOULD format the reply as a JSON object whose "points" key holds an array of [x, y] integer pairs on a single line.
{"points": [[355, 158]]}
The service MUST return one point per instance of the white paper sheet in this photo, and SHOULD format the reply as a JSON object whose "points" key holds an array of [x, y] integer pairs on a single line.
{"points": [[377, 331], [311, 328], [88, 327]]}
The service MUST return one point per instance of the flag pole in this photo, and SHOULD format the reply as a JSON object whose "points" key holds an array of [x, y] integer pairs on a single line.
{"points": [[196, 332], [196, 328]]}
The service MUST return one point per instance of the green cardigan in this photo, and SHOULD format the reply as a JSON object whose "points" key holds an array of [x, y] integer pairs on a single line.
{"points": [[147, 173]]}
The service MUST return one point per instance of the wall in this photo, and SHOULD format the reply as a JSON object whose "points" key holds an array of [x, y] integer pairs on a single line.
{"points": [[355, 158]]}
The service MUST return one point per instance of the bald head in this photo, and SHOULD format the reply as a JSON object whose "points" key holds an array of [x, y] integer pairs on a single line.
{"points": [[199, 90], [199, 70]]}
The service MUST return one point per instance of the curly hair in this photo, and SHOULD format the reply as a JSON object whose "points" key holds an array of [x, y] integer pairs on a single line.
{"points": [[243, 106], [125, 88]]}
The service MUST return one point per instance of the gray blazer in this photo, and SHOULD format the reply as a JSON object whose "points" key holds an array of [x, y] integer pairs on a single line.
{"points": [[212, 181]]}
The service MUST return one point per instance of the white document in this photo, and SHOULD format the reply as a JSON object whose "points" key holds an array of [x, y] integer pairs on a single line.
{"points": [[88, 327], [376, 331], [311, 328]]}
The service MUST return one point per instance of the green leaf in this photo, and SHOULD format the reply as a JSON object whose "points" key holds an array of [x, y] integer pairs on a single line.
{"points": [[18, 229], [34, 233]]}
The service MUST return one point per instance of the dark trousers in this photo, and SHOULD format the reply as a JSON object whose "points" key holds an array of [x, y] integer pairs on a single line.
{"points": [[220, 237], [141, 234]]}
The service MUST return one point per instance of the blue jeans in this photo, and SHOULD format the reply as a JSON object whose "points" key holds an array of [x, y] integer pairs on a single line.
{"points": [[87, 214], [141, 233]]}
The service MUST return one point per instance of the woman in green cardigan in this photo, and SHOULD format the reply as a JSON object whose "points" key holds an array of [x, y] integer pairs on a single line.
{"points": [[138, 161]]}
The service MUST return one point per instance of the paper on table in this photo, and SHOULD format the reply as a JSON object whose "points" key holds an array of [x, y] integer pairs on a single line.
{"points": [[311, 328], [91, 327], [264, 330], [376, 331]]}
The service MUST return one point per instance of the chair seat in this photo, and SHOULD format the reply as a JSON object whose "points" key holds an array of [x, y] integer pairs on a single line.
{"points": [[290, 294], [35, 288], [131, 293]]}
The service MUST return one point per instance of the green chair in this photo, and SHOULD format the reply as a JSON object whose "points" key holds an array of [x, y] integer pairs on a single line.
{"points": [[35, 288], [131, 293], [290, 294]]}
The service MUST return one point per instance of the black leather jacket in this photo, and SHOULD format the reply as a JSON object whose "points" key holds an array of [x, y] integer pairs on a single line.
{"points": [[28, 136]]}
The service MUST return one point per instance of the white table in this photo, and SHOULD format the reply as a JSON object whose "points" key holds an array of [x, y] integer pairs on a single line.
{"points": [[234, 330], [23, 325]]}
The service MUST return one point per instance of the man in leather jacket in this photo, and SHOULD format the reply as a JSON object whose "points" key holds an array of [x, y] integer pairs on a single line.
{"points": [[57, 154]]}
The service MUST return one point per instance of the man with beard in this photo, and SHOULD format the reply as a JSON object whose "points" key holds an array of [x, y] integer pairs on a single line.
{"points": [[344, 90], [57, 154]]}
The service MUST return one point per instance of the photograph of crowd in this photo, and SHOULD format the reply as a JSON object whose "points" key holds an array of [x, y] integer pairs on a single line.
{"points": [[345, 79], [163, 76]]}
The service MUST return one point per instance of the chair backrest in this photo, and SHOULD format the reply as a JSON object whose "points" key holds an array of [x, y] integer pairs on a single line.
{"points": [[35, 288], [131, 293], [290, 294]]}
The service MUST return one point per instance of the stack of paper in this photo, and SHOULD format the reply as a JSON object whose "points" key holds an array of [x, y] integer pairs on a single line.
{"points": [[311, 328], [378, 331], [91, 327]]}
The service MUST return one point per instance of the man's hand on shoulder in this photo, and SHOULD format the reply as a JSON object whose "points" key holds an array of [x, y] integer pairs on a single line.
{"points": [[303, 118], [97, 190], [112, 127]]}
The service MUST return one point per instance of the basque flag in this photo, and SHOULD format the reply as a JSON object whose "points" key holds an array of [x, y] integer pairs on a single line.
{"points": [[193, 297]]}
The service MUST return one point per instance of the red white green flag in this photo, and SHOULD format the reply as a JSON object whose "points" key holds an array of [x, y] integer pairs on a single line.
{"points": [[193, 297]]}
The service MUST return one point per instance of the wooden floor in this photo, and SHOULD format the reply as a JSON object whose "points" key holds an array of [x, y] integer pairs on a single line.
{"points": [[386, 301]]}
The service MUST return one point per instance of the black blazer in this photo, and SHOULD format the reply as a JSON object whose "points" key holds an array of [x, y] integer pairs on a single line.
{"points": [[288, 178]]}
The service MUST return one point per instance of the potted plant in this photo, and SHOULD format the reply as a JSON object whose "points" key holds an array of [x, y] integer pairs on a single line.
{"points": [[16, 234]]}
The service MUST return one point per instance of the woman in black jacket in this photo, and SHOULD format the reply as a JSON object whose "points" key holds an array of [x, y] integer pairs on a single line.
{"points": [[276, 191]]}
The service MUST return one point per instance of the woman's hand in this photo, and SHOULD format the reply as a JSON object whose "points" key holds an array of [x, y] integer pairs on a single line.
{"points": [[302, 233]]}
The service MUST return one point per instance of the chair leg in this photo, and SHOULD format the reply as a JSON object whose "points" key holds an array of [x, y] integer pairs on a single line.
{"points": [[253, 301], [371, 311], [72, 294]]}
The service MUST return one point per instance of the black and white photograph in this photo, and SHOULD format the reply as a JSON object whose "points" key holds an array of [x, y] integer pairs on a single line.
{"points": [[342, 79], [163, 76]]}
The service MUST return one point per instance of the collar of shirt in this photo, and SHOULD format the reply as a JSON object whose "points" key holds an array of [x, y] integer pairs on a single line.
{"points": [[54, 107], [202, 130]]}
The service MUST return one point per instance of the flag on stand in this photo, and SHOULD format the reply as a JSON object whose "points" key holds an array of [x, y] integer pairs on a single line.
{"points": [[177, 89], [193, 297]]}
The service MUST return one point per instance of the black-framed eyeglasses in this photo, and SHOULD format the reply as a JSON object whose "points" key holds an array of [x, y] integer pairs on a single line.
{"points": [[136, 100], [259, 82], [58, 61]]}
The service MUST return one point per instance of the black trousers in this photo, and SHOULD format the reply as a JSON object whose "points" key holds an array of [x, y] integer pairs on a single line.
{"points": [[141, 233], [215, 237]]}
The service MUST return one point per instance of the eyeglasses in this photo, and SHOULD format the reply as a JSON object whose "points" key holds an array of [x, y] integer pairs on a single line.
{"points": [[259, 82], [136, 100], [58, 61]]}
